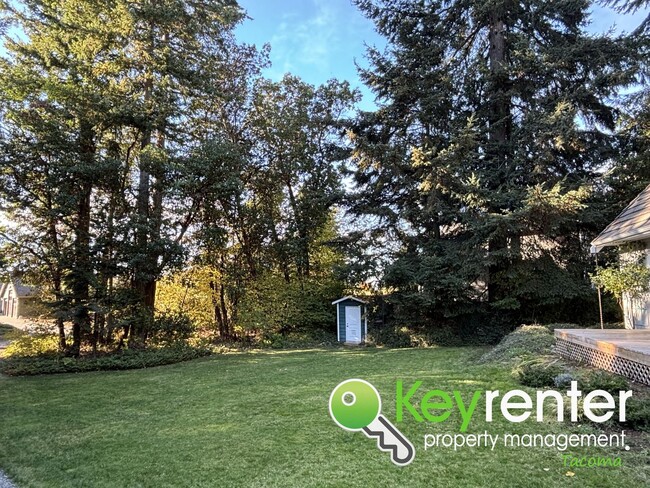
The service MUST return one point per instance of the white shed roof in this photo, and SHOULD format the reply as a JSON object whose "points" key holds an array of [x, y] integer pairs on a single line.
{"points": [[348, 298], [632, 224]]}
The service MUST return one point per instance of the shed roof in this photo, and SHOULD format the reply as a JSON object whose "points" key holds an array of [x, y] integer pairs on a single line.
{"points": [[348, 298], [632, 224]]}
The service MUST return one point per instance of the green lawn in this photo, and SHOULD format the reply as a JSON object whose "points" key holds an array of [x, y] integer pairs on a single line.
{"points": [[6, 331], [261, 419]]}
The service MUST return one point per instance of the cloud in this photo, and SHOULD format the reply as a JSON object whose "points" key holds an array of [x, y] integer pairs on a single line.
{"points": [[306, 43]]}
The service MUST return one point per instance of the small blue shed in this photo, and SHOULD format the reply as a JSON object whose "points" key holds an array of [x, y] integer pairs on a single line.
{"points": [[351, 320]]}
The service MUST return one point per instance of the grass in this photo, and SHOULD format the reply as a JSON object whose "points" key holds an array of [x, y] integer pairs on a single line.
{"points": [[7, 332], [260, 419]]}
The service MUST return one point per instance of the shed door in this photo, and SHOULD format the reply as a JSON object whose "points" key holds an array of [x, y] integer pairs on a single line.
{"points": [[353, 324]]}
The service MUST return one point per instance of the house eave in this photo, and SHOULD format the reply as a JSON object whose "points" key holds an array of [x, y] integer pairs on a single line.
{"points": [[598, 245]]}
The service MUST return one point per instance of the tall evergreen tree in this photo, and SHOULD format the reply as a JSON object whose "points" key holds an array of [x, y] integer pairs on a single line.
{"points": [[631, 168], [58, 102], [494, 119], [99, 139]]}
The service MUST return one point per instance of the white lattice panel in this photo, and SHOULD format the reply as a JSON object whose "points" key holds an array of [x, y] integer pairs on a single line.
{"points": [[609, 362]]}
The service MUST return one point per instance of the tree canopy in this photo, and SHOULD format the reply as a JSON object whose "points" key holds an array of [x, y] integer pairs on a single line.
{"points": [[153, 177]]}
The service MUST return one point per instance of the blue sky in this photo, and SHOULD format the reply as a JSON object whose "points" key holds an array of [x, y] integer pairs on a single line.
{"points": [[321, 39]]}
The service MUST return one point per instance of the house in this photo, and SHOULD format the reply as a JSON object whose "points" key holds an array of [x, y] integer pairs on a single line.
{"points": [[631, 232], [16, 299]]}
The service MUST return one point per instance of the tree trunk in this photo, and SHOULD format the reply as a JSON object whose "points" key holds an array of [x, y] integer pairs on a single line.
{"points": [[83, 266], [142, 272], [499, 117], [61, 332], [302, 261]]}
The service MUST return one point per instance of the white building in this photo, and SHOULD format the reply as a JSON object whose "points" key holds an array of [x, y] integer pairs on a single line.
{"points": [[631, 230]]}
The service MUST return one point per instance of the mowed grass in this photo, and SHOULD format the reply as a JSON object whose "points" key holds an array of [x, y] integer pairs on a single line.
{"points": [[7, 331], [261, 420]]}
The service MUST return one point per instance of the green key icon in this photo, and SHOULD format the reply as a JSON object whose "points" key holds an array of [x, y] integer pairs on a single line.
{"points": [[356, 405]]}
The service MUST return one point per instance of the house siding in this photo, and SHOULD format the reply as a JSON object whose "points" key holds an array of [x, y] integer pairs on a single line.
{"points": [[636, 310], [15, 302]]}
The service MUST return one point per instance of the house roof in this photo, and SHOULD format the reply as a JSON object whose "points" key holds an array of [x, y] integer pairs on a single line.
{"points": [[348, 298], [21, 291], [24, 290], [632, 224]]}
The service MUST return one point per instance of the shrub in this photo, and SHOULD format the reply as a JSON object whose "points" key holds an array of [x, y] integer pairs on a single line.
{"points": [[632, 278], [438, 336], [526, 341], [298, 340], [602, 380], [638, 414], [127, 359], [389, 336], [563, 380], [171, 328], [538, 375], [272, 305], [33, 346]]}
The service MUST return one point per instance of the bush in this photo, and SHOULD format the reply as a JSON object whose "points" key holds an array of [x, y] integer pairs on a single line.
{"points": [[563, 380], [638, 414], [438, 336], [602, 380], [443, 334], [272, 305], [525, 342], [389, 336], [33, 346], [538, 374], [298, 340], [127, 359], [171, 328]]}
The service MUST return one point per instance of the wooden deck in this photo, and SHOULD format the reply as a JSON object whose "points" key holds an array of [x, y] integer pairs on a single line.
{"points": [[624, 352]]}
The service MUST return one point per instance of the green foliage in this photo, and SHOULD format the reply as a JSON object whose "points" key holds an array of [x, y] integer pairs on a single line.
{"points": [[603, 380], [387, 336], [638, 414], [7, 332], [189, 293], [463, 331], [298, 340], [99, 166], [563, 381], [136, 135], [538, 374], [273, 305], [527, 341], [630, 278], [33, 346], [127, 359], [170, 328], [480, 165]]}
